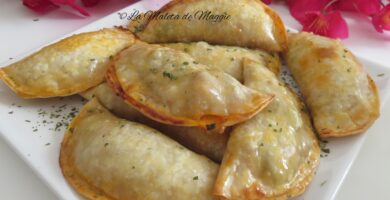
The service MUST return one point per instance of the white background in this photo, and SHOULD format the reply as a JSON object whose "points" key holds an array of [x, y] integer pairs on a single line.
{"points": [[369, 177]]}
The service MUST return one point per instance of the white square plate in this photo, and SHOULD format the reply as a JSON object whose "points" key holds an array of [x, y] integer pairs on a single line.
{"points": [[29, 126]]}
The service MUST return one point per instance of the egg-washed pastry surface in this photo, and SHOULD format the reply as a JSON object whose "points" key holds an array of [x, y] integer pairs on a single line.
{"points": [[273, 155], [198, 140], [171, 87], [341, 96], [107, 158], [67, 67], [248, 23], [227, 58]]}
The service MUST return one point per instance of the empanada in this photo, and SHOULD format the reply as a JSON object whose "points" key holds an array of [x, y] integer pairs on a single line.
{"points": [[226, 58], [69, 66], [194, 138], [273, 155], [169, 86], [108, 158], [342, 98], [246, 23]]}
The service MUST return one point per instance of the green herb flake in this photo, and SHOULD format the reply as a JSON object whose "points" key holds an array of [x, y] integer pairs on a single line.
{"points": [[106, 144], [323, 183], [210, 127], [47, 144], [185, 50], [195, 62], [169, 75], [27, 121], [195, 178], [380, 75], [35, 20], [92, 59]]}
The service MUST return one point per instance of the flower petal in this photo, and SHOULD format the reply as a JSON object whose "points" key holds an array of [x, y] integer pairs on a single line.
{"points": [[367, 7], [331, 24], [72, 4], [381, 20], [267, 1], [299, 8], [40, 6], [90, 3]]}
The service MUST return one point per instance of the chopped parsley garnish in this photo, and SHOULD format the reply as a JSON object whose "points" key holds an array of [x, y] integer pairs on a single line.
{"points": [[195, 178], [169, 75], [106, 144], [379, 75], [27, 120], [47, 144], [323, 183], [324, 149], [185, 63], [210, 127]]}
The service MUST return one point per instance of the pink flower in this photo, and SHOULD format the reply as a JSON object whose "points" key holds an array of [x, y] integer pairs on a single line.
{"points": [[329, 24], [299, 8], [39, 6], [90, 3], [42, 6], [266, 1], [367, 7], [381, 20]]}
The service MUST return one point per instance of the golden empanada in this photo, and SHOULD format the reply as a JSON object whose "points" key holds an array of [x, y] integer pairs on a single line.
{"points": [[197, 139], [273, 155], [67, 67], [169, 86], [226, 58], [341, 96], [246, 23], [108, 158]]}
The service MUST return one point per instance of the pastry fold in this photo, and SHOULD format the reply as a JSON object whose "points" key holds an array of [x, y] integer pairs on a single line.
{"points": [[171, 87], [342, 98], [108, 158], [67, 67], [246, 23], [272, 155]]}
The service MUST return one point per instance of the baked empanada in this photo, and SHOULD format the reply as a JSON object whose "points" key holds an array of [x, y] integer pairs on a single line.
{"points": [[67, 67], [108, 158], [342, 98], [226, 58], [272, 155], [169, 86], [196, 139], [246, 23]]}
